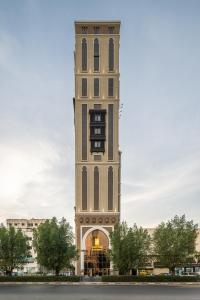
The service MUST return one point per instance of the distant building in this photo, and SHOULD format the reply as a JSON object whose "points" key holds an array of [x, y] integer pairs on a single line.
{"points": [[27, 226]]}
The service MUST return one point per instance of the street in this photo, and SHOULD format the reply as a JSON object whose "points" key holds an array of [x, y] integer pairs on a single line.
{"points": [[58, 292]]}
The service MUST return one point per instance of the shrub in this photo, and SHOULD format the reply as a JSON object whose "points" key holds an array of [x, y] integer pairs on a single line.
{"points": [[39, 278], [127, 278]]}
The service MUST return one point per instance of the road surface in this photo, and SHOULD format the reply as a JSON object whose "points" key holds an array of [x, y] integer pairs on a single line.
{"points": [[59, 292]]}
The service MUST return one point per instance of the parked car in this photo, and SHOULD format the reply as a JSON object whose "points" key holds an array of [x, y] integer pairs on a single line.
{"points": [[165, 274]]}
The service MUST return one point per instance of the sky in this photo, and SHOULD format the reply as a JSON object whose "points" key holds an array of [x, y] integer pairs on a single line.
{"points": [[160, 120]]}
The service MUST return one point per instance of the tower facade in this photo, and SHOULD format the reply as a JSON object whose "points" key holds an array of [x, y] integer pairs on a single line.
{"points": [[97, 155]]}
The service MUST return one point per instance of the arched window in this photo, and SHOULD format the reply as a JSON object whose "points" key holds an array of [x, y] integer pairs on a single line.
{"points": [[111, 55], [84, 55], [84, 188], [110, 188], [96, 188], [96, 55]]}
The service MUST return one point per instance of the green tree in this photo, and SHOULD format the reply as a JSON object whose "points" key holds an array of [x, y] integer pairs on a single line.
{"points": [[14, 249], [53, 242], [174, 242], [129, 247], [138, 241]]}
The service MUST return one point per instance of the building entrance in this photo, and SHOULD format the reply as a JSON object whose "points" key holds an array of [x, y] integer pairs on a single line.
{"points": [[96, 256]]}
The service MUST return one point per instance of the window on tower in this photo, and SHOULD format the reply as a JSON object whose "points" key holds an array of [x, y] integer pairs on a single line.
{"points": [[97, 130], [111, 55], [96, 29], [96, 87], [84, 29], [111, 29], [84, 87], [97, 144], [97, 117], [84, 55], [110, 87], [96, 55]]}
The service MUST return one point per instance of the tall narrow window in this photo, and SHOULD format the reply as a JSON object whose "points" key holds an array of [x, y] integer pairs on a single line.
{"points": [[96, 55], [110, 131], [111, 55], [110, 87], [110, 188], [84, 55], [84, 132], [96, 188], [84, 87], [84, 188], [96, 87]]}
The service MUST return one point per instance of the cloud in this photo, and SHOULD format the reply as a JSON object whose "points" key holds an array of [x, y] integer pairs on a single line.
{"points": [[36, 180], [165, 191]]}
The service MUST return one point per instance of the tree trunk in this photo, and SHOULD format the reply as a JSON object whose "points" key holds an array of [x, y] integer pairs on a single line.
{"points": [[8, 272], [57, 272], [173, 270]]}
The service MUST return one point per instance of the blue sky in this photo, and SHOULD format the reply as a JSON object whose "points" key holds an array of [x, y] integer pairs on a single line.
{"points": [[160, 92]]}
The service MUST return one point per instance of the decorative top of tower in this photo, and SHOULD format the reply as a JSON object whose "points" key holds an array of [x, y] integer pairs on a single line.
{"points": [[97, 27]]}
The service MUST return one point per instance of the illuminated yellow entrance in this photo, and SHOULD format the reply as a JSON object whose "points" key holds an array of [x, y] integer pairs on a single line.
{"points": [[96, 257]]}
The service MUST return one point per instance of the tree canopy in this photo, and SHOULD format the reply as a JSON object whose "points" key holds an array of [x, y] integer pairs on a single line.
{"points": [[14, 249], [174, 242], [129, 247], [53, 242]]}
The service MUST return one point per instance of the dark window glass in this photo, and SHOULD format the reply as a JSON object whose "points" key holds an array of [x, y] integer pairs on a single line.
{"points": [[97, 130], [84, 188], [111, 29], [97, 117], [84, 87], [84, 30], [97, 144], [110, 87], [84, 132], [111, 55], [96, 87], [110, 188], [96, 188], [96, 30], [84, 55], [110, 131], [96, 55]]}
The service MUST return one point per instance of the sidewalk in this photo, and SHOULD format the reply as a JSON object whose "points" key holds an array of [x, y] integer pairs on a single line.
{"points": [[85, 283]]}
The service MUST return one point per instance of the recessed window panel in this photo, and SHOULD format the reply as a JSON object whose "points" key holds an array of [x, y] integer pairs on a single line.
{"points": [[97, 144], [97, 130], [96, 87], [84, 87], [84, 55], [111, 55], [110, 87], [97, 117], [96, 55]]}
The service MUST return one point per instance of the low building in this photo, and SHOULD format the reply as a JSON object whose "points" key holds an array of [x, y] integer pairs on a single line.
{"points": [[27, 226]]}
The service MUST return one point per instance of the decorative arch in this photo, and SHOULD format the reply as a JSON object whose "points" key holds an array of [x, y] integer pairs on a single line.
{"points": [[83, 241], [83, 247]]}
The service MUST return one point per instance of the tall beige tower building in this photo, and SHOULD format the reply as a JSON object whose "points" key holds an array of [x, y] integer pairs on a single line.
{"points": [[97, 155]]}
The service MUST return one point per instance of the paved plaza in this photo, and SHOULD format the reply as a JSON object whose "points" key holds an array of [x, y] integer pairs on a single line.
{"points": [[59, 292]]}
